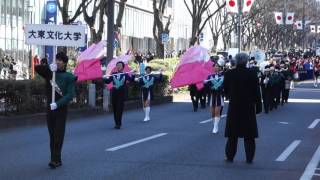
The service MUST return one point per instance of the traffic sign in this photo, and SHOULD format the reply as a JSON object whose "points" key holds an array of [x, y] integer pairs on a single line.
{"points": [[201, 37], [164, 37]]}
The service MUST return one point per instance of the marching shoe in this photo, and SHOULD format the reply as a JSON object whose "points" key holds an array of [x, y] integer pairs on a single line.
{"points": [[54, 165], [216, 125]]}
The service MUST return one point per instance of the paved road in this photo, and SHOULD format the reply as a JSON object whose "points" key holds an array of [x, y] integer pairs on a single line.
{"points": [[174, 145]]}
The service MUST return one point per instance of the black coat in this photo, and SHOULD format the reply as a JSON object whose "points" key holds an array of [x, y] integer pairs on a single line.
{"points": [[241, 87]]}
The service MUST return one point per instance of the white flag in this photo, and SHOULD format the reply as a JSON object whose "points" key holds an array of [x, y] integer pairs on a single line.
{"points": [[298, 25], [307, 22], [247, 5], [290, 18], [318, 29], [279, 17], [232, 6], [313, 28]]}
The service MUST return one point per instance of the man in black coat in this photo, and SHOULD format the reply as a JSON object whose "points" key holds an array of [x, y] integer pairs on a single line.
{"points": [[241, 88]]}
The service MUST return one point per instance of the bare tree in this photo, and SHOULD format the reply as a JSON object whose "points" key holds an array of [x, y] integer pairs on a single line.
{"points": [[118, 25], [98, 9], [64, 10], [197, 10], [159, 27], [216, 24]]}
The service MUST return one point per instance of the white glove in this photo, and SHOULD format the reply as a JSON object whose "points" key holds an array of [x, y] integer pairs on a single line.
{"points": [[53, 67], [136, 79], [105, 77], [53, 106]]}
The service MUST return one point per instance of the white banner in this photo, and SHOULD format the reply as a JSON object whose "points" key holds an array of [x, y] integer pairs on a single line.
{"points": [[318, 31], [55, 35], [279, 17], [290, 18]]}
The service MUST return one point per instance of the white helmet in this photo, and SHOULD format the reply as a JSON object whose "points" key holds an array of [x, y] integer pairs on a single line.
{"points": [[221, 62]]}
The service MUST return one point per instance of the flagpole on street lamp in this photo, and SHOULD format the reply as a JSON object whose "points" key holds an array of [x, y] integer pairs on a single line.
{"points": [[303, 26], [239, 25], [110, 36], [285, 12]]}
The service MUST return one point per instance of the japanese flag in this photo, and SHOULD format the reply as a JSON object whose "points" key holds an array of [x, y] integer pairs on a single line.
{"points": [[298, 25], [247, 5], [313, 28], [279, 17], [318, 29], [290, 18], [232, 6]]}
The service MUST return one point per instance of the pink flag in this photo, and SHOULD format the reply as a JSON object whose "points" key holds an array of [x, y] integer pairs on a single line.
{"points": [[112, 66], [89, 66], [194, 67]]}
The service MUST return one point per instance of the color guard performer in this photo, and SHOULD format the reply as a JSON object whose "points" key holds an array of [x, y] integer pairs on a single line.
{"points": [[118, 92], [147, 82], [215, 83]]}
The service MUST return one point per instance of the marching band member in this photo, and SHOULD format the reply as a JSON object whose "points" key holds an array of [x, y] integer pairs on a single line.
{"points": [[215, 82], [118, 92], [147, 82], [266, 88]]}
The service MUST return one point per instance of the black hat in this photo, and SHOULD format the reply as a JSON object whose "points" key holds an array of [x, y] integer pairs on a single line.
{"points": [[62, 56]]}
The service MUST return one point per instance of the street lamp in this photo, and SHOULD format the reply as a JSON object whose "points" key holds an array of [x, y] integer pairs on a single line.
{"points": [[239, 8]]}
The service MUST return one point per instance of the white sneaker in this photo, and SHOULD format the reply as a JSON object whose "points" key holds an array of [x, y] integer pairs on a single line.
{"points": [[146, 119]]}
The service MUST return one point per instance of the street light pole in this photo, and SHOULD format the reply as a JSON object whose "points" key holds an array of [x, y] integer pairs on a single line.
{"points": [[239, 25], [285, 12], [303, 26], [110, 36]]}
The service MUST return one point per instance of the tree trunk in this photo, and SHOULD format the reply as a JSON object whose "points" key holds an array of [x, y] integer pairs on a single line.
{"points": [[158, 26]]}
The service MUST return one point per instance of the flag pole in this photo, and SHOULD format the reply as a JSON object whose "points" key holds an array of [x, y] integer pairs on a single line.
{"points": [[54, 76]]}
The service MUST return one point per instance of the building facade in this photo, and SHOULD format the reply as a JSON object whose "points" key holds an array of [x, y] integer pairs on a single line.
{"points": [[136, 32]]}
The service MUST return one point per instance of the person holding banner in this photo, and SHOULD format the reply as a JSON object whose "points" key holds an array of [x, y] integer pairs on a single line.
{"points": [[147, 83], [215, 83], [118, 92], [58, 110]]}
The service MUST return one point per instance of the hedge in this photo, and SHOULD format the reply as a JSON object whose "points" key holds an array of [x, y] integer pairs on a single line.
{"points": [[29, 96]]}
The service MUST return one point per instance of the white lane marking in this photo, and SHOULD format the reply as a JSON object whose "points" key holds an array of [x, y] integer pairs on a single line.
{"points": [[314, 124], [304, 100], [286, 153], [136, 142], [312, 166], [210, 120], [283, 123], [316, 174]]}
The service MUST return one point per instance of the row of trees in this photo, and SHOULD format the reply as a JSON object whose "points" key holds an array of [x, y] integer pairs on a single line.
{"points": [[258, 27], [94, 12]]}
